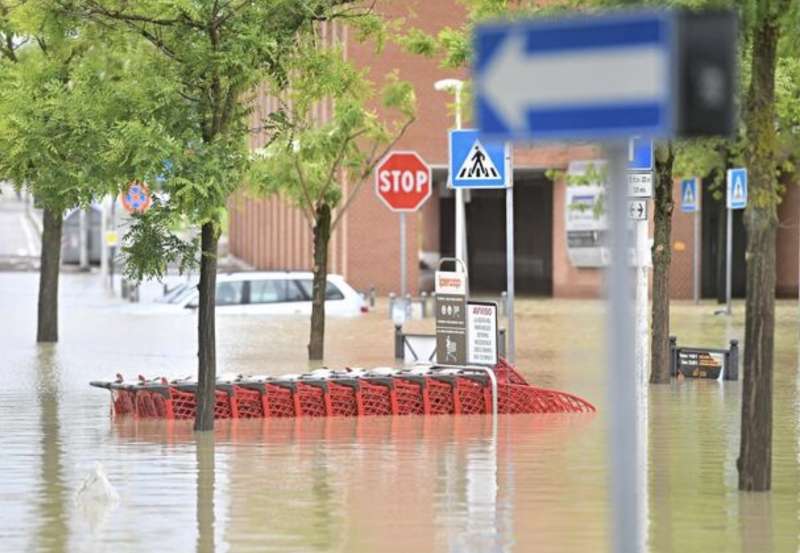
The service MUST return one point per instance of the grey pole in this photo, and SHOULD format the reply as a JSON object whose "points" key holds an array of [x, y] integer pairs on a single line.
{"points": [[622, 446], [83, 252], [511, 348], [403, 260], [728, 260], [696, 271]]}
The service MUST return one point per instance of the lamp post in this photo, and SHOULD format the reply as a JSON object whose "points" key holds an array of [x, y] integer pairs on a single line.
{"points": [[454, 86]]}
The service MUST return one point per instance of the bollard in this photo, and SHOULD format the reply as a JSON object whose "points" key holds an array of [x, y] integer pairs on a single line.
{"points": [[398, 343], [124, 289], [424, 296], [391, 303], [504, 303], [372, 296], [501, 342], [673, 355], [732, 366], [409, 307]]}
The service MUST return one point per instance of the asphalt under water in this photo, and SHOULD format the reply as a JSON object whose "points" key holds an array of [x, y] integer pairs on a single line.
{"points": [[369, 484]]}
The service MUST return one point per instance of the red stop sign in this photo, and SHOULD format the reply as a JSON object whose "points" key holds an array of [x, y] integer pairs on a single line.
{"points": [[403, 181]]}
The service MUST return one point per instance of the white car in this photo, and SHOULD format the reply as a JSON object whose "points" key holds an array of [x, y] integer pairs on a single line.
{"points": [[274, 293]]}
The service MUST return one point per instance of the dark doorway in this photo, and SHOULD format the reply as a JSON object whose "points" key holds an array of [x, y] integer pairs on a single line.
{"points": [[486, 232], [714, 230]]}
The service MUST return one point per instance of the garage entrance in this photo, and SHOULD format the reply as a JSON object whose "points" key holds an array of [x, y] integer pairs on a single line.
{"points": [[486, 232]]}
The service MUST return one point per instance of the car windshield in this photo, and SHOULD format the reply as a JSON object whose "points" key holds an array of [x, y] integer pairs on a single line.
{"points": [[178, 290], [182, 296]]}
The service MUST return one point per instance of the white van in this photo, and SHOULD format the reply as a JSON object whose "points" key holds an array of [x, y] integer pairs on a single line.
{"points": [[274, 293]]}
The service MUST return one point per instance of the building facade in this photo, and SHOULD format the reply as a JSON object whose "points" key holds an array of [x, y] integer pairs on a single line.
{"points": [[269, 234]]}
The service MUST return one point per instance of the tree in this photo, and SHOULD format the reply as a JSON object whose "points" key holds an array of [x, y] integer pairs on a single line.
{"points": [[59, 98], [761, 221], [307, 159], [205, 56]]}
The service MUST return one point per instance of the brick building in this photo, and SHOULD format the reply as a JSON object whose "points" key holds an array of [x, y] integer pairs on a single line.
{"points": [[269, 234]]}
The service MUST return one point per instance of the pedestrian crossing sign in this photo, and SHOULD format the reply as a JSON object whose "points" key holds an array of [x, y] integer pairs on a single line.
{"points": [[476, 163], [737, 188], [689, 191]]}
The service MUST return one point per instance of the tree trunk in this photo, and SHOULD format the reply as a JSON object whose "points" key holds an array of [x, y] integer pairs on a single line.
{"points": [[206, 335], [755, 452], [47, 322], [662, 256], [322, 234]]}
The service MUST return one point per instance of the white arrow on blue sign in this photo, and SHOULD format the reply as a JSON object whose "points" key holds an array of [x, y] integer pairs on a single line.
{"points": [[578, 78], [476, 162], [736, 197], [689, 191]]}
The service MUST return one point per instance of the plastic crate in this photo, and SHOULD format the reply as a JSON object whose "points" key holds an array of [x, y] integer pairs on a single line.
{"points": [[343, 400], [310, 401], [411, 397], [376, 398]]}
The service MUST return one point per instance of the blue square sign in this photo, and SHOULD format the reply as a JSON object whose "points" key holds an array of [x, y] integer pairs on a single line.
{"points": [[736, 198], [640, 154], [475, 162], [689, 191]]}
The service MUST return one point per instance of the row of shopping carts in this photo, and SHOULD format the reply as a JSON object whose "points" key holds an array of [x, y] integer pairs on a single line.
{"points": [[423, 390]]}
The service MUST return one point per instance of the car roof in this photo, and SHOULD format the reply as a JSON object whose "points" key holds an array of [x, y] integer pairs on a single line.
{"points": [[270, 275]]}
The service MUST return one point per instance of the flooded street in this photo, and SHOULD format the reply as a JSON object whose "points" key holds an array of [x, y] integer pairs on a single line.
{"points": [[388, 484]]}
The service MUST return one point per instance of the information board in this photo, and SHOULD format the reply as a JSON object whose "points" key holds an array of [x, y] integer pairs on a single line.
{"points": [[482, 333]]}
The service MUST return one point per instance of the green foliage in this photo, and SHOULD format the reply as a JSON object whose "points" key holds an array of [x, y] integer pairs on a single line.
{"points": [[60, 97], [307, 158], [151, 245], [188, 131]]}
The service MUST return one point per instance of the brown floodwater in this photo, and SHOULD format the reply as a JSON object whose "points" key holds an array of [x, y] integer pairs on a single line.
{"points": [[388, 484]]}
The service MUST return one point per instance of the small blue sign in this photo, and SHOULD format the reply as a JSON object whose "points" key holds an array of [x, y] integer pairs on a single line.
{"points": [[689, 200], [475, 162], [607, 76], [640, 154], [736, 197]]}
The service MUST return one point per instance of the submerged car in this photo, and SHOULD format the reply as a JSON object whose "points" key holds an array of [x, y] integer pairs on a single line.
{"points": [[279, 293]]}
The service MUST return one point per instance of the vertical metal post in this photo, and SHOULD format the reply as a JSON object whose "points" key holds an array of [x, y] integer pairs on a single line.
{"points": [[103, 248], [622, 447], [112, 250], [697, 240], [461, 216], [728, 260], [83, 247], [642, 303], [511, 348], [403, 259]]}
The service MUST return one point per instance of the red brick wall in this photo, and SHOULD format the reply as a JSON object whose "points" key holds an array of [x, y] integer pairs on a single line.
{"points": [[681, 277]]}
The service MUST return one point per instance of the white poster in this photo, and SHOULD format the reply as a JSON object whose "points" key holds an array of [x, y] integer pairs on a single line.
{"points": [[482, 333]]}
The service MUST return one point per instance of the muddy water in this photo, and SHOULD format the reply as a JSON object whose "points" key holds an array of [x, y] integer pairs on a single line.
{"points": [[376, 484]]}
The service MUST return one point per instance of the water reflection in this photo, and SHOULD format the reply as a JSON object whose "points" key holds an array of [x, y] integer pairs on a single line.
{"points": [[52, 533], [204, 442], [367, 484], [374, 484]]}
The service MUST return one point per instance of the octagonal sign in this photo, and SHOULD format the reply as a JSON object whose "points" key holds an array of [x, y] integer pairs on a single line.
{"points": [[403, 181]]}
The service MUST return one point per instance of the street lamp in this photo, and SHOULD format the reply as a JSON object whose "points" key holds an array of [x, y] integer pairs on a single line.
{"points": [[454, 86]]}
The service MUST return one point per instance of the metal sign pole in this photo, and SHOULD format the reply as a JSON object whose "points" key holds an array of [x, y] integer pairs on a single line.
{"points": [[403, 260], [623, 449], [511, 345], [696, 262], [728, 259]]}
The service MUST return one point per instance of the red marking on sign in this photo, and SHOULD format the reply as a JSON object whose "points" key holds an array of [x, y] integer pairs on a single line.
{"points": [[137, 198], [403, 181]]}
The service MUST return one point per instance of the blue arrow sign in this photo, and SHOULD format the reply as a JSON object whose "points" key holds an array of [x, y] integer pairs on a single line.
{"points": [[475, 162], [689, 191], [736, 198], [578, 78], [640, 154]]}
